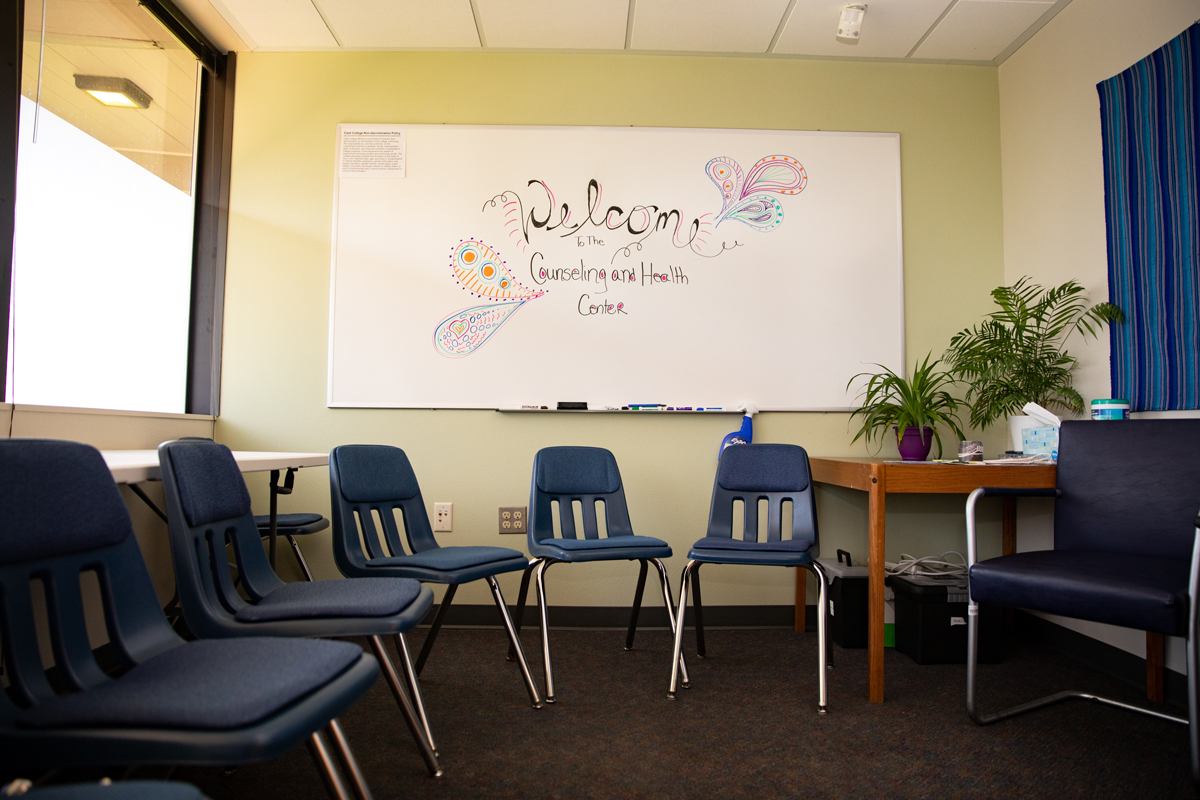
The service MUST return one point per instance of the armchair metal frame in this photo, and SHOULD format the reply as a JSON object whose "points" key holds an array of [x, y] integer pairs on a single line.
{"points": [[1193, 641]]}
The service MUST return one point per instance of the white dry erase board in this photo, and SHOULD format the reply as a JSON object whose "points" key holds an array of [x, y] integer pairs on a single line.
{"points": [[500, 266]]}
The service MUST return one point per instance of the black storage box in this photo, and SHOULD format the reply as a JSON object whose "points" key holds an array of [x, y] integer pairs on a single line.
{"points": [[847, 594], [931, 621]]}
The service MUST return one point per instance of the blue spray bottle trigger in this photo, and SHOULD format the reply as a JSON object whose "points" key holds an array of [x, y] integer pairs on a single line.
{"points": [[743, 436]]}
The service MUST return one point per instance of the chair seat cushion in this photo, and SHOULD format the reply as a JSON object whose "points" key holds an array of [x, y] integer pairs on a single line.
{"points": [[605, 543], [1142, 592], [351, 597], [729, 543], [449, 558], [211, 684], [263, 521]]}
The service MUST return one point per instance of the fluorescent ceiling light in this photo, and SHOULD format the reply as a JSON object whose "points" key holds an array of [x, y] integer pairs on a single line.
{"points": [[116, 92]]}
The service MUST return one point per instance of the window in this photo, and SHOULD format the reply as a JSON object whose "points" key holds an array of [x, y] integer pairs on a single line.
{"points": [[110, 185]]}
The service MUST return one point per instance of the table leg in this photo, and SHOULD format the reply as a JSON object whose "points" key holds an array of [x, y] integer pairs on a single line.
{"points": [[875, 577], [1155, 657], [1008, 527]]}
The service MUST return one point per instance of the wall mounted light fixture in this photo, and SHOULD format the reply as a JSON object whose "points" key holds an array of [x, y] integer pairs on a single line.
{"points": [[117, 92], [850, 25]]}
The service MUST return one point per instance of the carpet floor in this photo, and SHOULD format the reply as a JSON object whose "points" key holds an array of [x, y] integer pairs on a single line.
{"points": [[748, 727]]}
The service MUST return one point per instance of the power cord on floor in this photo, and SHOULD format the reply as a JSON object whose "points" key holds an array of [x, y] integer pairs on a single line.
{"points": [[928, 565]]}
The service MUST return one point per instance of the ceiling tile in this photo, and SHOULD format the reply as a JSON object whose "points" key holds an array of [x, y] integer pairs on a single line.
{"points": [[891, 28], [723, 26], [402, 23], [276, 24], [554, 24], [980, 30]]}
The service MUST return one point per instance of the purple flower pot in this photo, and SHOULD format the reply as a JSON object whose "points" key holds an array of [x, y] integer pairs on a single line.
{"points": [[914, 444]]}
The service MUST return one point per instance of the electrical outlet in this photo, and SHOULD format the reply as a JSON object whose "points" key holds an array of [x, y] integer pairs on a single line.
{"points": [[512, 519], [443, 516]]}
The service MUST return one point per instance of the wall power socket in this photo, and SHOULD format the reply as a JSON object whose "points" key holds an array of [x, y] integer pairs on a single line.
{"points": [[513, 519], [443, 516]]}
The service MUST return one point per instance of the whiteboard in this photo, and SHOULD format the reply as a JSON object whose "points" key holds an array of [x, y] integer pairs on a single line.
{"points": [[506, 266]]}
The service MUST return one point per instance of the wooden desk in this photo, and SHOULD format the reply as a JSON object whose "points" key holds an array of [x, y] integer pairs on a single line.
{"points": [[879, 478]]}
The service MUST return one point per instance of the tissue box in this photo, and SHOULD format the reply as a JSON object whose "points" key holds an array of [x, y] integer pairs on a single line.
{"points": [[1040, 440]]}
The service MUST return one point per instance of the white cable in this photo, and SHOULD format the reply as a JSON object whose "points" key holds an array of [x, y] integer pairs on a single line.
{"points": [[928, 565]]}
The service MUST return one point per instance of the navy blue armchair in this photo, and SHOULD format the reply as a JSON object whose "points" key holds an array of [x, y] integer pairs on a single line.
{"points": [[749, 474], [1126, 541], [208, 514], [562, 477], [167, 701]]}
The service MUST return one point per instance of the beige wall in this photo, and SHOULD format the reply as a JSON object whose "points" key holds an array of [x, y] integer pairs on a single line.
{"points": [[277, 282], [1054, 226]]}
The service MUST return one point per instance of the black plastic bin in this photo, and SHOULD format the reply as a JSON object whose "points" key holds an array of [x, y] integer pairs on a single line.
{"points": [[847, 614], [931, 621]]}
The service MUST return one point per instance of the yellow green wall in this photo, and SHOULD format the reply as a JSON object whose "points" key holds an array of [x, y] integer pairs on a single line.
{"points": [[277, 283]]}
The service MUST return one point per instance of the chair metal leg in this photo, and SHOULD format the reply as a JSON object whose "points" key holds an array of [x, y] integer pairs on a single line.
{"points": [[541, 593], [637, 604], [299, 557], [512, 652], [669, 602], [1024, 708], [443, 608], [348, 760], [698, 612], [822, 642], [514, 643], [414, 689], [325, 765], [677, 653], [406, 709], [1193, 660]]}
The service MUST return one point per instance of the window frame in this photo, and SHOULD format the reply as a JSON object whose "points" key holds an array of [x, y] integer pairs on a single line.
{"points": [[211, 224]]}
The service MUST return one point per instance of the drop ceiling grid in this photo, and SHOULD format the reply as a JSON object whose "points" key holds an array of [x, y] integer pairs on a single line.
{"points": [[980, 30], [722, 26], [554, 25], [402, 23], [282, 24], [891, 28]]}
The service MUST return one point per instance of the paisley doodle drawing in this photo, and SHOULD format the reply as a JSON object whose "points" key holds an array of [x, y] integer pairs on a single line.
{"points": [[745, 198], [479, 270]]}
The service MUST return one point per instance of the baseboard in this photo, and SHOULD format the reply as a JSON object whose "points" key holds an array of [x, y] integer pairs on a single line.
{"points": [[1120, 664], [481, 616]]}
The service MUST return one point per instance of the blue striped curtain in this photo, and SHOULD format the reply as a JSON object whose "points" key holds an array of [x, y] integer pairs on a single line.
{"points": [[1150, 121]]}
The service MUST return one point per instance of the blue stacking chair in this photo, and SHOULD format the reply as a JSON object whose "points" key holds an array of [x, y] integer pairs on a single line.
{"points": [[750, 474], [367, 480], [588, 476], [208, 512], [1126, 549], [168, 701]]}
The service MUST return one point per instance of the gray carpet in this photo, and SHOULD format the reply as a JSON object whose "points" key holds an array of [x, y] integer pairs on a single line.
{"points": [[747, 728]]}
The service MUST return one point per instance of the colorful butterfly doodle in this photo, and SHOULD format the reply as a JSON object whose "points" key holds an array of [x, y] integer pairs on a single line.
{"points": [[781, 174], [480, 270]]}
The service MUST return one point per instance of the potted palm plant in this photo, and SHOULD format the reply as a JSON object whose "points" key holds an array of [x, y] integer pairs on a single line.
{"points": [[914, 407], [1018, 354]]}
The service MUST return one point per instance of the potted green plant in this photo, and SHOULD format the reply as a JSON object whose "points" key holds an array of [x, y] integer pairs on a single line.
{"points": [[913, 406], [1018, 354]]}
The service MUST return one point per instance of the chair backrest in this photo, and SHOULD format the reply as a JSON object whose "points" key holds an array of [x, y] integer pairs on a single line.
{"points": [[61, 515], [752, 473], [569, 475], [1129, 486], [208, 511], [369, 480]]}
